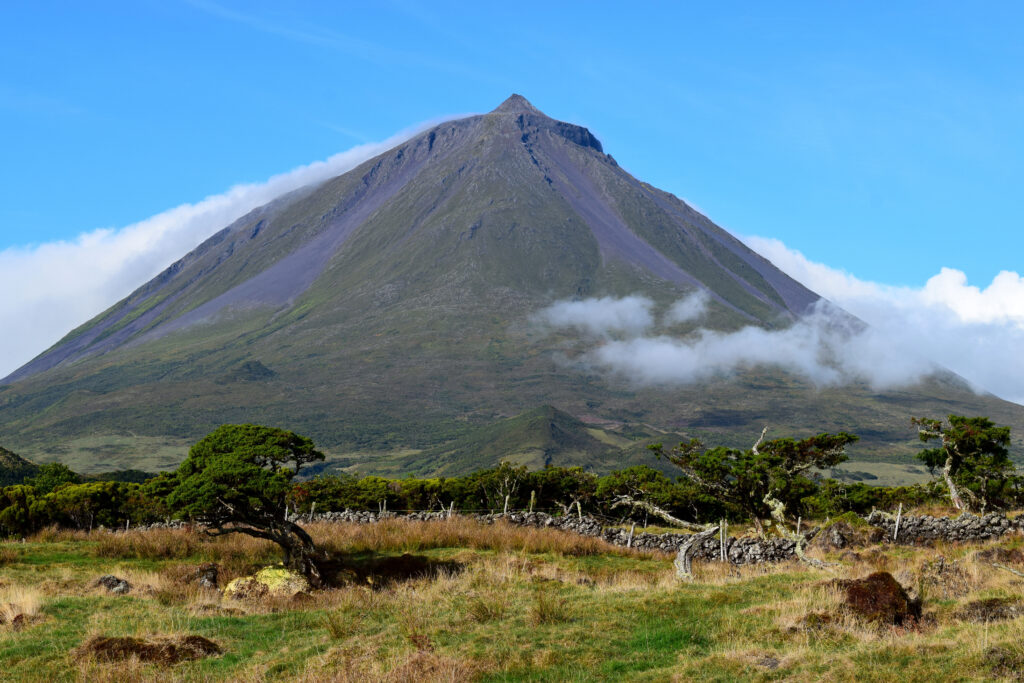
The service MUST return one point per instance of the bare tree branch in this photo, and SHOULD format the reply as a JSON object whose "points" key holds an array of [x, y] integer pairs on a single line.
{"points": [[623, 500], [759, 441]]}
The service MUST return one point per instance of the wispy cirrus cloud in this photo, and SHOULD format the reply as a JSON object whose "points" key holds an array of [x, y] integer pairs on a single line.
{"points": [[294, 29]]}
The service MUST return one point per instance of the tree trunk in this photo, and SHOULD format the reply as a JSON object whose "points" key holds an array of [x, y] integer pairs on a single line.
{"points": [[954, 494], [299, 552], [624, 500], [778, 509], [684, 558]]}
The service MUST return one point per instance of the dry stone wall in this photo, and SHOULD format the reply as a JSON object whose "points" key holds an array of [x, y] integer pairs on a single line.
{"points": [[926, 529], [738, 550], [744, 550]]}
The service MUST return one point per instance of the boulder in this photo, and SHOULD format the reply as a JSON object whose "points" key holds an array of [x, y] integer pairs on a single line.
{"points": [[266, 583], [207, 575], [114, 584]]}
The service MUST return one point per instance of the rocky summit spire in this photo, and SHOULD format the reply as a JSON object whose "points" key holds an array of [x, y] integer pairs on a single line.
{"points": [[516, 104]]}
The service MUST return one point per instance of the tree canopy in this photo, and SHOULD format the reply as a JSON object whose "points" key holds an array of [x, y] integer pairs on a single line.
{"points": [[764, 480], [52, 476], [238, 478], [973, 458]]}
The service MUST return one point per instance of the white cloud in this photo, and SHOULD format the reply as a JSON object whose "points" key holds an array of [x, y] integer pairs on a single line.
{"points": [[51, 288], [690, 308], [824, 348], [975, 332], [600, 317]]}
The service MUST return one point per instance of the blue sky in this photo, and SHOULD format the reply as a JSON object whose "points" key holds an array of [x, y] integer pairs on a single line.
{"points": [[885, 142]]}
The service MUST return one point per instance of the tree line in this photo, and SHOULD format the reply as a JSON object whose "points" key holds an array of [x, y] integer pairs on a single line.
{"points": [[248, 470]]}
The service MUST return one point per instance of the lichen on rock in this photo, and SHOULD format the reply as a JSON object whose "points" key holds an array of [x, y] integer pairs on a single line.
{"points": [[277, 581]]}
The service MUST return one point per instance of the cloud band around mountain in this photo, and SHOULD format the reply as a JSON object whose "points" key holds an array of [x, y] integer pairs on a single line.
{"points": [[974, 332]]}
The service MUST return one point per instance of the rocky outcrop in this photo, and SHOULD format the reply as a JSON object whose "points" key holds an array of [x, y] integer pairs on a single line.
{"points": [[113, 584]]}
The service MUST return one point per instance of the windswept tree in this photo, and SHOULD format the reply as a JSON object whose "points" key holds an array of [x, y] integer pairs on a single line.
{"points": [[237, 480], [972, 457], [763, 481]]}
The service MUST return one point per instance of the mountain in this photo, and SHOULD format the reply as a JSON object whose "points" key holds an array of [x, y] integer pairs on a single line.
{"points": [[390, 310], [538, 437]]}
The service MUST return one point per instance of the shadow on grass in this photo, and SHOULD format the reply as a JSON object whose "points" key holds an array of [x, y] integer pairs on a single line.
{"points": [[384, 571]]}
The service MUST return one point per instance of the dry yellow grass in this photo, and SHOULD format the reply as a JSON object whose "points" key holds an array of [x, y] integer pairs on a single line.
{"points": [[19, 601], [548, 592], [458, 532]]}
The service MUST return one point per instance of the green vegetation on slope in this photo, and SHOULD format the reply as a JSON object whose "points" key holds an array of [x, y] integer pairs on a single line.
{"points": [[537, 438]]}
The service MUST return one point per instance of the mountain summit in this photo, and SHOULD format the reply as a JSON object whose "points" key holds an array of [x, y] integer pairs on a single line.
{"points": [[390, 308], [516, 104]]}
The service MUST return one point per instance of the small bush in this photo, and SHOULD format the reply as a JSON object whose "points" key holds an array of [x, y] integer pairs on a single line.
{"points": [[486, 608], [548, 608], [340, 625]]}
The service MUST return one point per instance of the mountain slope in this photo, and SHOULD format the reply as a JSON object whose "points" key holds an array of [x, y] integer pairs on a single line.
{"points": [[538, 437], [390, 308]]}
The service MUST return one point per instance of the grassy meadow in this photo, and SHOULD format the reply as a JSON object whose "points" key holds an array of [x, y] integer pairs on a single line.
{"points": [[459, 601]]}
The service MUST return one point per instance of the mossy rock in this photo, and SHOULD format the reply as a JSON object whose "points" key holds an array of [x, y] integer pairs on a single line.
{"points": [[275, 581], [846, 530], [851, 519]]}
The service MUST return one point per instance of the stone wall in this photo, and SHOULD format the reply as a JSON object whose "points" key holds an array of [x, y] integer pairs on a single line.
{"points": [[739, 550], [925, 529], [744, 550]]}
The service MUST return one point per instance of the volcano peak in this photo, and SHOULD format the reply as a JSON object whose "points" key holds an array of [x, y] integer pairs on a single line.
{"points": [[516, 104]]}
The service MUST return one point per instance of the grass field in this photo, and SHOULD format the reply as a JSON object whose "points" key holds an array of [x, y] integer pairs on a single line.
{"points": [[453, 601]]}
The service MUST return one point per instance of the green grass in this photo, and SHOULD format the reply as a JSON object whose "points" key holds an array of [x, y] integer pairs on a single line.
{"points": [[508, 615]]}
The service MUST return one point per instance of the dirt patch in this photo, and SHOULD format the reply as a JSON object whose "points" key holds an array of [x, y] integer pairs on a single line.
{"points": [[17, 622], [881, 599], [991, 609], [767, 662], [168, 650]]}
